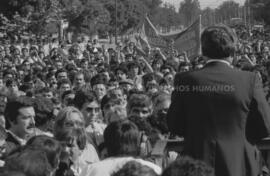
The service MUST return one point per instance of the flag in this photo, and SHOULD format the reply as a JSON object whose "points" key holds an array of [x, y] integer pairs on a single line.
{"points": [[189, 40], [150, 37]]}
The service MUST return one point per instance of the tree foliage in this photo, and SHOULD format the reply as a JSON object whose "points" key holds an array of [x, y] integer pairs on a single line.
{"points": [[228, 9], [87, 16], [166, 17], [260, 9], [189, 10], [90, 17]]}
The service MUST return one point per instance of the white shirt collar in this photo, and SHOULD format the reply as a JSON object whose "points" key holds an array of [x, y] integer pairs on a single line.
{"points": [[20, 140], [218, 60]]}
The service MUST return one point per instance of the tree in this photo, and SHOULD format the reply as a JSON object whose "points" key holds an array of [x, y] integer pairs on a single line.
{"points": [[228, 10], [166, 17], [130, 13], [208, 16], [260, 9], [90, 19], [190, 10]]}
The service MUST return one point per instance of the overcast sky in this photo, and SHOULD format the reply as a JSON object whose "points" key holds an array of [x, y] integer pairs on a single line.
{"points": [[204, 3]]}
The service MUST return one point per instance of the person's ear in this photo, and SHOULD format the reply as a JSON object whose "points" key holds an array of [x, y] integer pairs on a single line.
{"points": [[151, 109]]}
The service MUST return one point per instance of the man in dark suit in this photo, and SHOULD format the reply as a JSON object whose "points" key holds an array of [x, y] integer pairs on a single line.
{"points": [[220, 111]]}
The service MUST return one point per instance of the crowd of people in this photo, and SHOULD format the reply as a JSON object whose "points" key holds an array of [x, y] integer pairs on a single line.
{"points": [[83, 109]]}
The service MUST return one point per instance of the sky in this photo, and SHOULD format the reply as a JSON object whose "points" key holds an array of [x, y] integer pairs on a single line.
{"points": [[204, 3]]}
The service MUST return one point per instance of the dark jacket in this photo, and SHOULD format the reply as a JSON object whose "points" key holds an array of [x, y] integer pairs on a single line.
{"points": [[221, 112], [11, 144]]}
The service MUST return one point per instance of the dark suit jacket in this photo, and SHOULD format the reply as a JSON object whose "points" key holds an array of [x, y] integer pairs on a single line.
{"points": [[11, 144], [221, 112]]}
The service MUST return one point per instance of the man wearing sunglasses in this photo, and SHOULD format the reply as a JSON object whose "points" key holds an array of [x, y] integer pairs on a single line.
{"points": [[87, 103]]}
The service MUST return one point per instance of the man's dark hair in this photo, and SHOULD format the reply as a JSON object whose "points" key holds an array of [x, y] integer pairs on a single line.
{"points": [[7, 72], [13, 106], [47, 90], [187, 166], [122, 138], [32, 162], [43, 109], [133, 168], [28, 78], [122, 68], [218, 42], [49, 145], [133, 64], [157, 61], [69, 100], [10, 82], [60, 71], [82, 97], [150, 77], [98, 79], [49, 75], [109, 100], [139, 100]]}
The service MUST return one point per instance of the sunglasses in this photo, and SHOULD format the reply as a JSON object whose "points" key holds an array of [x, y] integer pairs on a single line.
{"points": [[90, 109]]}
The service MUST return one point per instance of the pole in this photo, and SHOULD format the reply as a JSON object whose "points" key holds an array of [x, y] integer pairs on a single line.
{"points": [[115, 22], [249, 14]]}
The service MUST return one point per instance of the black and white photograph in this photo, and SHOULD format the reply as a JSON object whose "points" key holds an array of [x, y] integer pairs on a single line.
{"points": [[134, 88]]}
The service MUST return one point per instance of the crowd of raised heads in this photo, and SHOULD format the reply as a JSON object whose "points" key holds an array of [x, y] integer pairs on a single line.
{"points": [[84, 109]]}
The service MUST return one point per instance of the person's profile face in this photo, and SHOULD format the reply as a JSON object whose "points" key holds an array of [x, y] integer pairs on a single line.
{"points": [[162, 107], [25, 122], [84, 65], [56, 109]]}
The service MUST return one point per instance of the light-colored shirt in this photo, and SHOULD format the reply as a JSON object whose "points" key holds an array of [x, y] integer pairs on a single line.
{"points": [[95, 130], [87, 157], [111, 165], [218, 60]]}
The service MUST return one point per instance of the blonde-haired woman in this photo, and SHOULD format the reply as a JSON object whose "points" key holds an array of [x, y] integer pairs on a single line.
{"points": [[71, 117]]}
